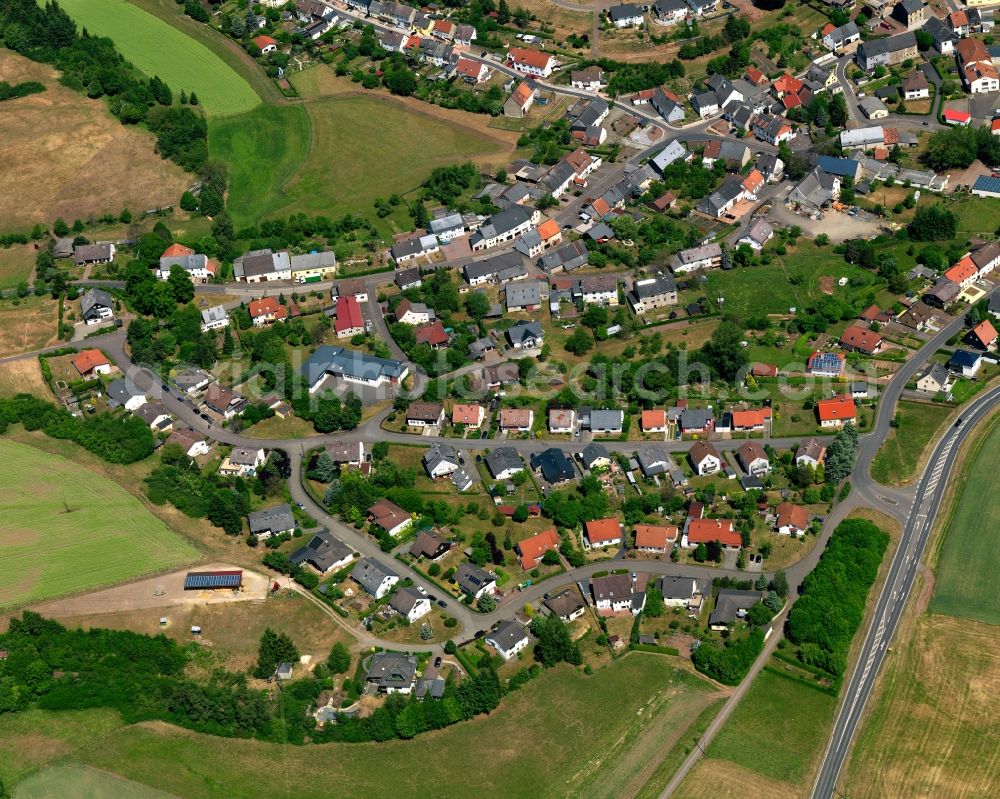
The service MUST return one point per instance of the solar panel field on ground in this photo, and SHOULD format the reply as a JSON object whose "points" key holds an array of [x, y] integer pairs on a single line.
{"points": [[64, 529]]}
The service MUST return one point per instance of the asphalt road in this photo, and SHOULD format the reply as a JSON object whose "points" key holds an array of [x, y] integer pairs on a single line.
{"points": [[892, 601]]}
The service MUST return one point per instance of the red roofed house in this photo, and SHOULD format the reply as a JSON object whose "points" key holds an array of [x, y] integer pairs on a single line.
{"points": [[963, 273], [533, 549], [995, 127], [92, 362], [755, 76], [350, 321], [520, 419], [432, 334], [786, 84], [265, 43], [472, 71], [520, 100], [655, 538], [550, 233], [791, 519], [531, 62], [267, 310], [755, 419], [764, 370], [984, 335], [654, 421], [858, 339], [389, 516], [752, 182], [954, 117], [443, 29], [701, 531], [836, 412], [602, 533], [472, 415]]}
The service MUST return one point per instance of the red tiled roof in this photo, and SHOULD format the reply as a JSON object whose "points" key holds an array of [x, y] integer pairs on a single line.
{"points": [[841, 408], [602, 530], [790, 515], [88, 359], [176, 249], [515, 417], [264, 41], [751, 418], [349, 315], [654, 536], [654, 418], [533, 549], [266, 306], [468, 68], [867, 341], [532, 58], [985, 332], [548, 229], [466, 414], [431, 333], [953, 115], [963, 270], [522, 93], [701, 531], [787, 84], [764, 370]]}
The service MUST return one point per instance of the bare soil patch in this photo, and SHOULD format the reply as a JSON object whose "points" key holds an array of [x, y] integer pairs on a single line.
{"points": [[31, 323], [73, 158], [23, 377], [720, 779]]}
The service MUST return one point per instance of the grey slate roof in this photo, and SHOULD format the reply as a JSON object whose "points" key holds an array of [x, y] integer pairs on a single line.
{"points": [[392, 670], [593, 452], [730, 602], [503, 458], [471, 578], [556, 467], [274, 520], [322, 551], [95, 298], [369, 574], [508, 634]]}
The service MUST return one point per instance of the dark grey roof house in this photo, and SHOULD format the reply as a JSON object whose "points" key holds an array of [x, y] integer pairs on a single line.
{"points": [[271, 521]]}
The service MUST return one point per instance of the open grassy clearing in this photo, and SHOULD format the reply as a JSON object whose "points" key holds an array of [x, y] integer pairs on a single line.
{"points": [[793, 718], [27, 325], [969, 558], [92, 532], [720, 779], [73, 781], [23, 377], [556, 736], [16, 264], [899, 456], [934, 727], [73, 158], [161, 49]]}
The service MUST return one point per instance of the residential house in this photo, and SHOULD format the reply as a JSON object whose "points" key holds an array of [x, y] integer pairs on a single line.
{"points": [[566, 605], [392, 672], [447, 227], [566, 258], [429, 546], [198, 267], [502, 227], [670, 12], [758, 234], [389, 517], [468, 414], [836, 412], [754, 420], [349, 321], [472, 72], [595, 456], [703, 531], [941, 35], [753, 459], [86, 254], [655, 538], [734, 154], [651, 293], [721, 201], [410, 603], [936, 378], [323, 552], [474, 581], [613, 594], [193, 443], [266, 311], [508, 638], [915, 86], [679, 592], [602, 533], [214, 318], [414, 247], [705, 256], [873, 108], [965, 363], [696, 420], [441, 460], [942, 294], [261, 266], [910, 13], [983, 336], [503, 463], [554, 466], [732, 604], [413, 313], [465, 35], [408, 278], [532, 550], [602, 421], [242, 461], [265, 44], [836, 39], [976, 66], [224, 401], [653, 421], [433, 334], [887, 51], [525, 335], [521, 99], [125, 394], [705, 458], [425, 414], [525, 295], [815, 191], [351, 453], [673, 152], [653, 460], [271, 521], [599, 290], [531, 62], [810, 453], [562, 421], [351, 366], [517, 419], [96, 305], [374, 576], [499, 268], [626, 15], [591, 79], [92, 362], [156, 415], [857, 339]]}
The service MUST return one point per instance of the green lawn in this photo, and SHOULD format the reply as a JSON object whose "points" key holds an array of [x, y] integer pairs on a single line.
{"points": [[769, 289], [970, 559], [563, 734], [161, 49], [897, 458], [336, 157], [65, 529], [977, 216], [73, 781], [16, 264], [777, 729]]}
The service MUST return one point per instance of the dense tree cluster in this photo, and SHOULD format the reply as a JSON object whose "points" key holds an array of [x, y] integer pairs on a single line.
{"points": [[957, 148], [555, 644], [12, 92], [840, 455], [571, 507], [829, 611], [92, 65], [113, 438], [729, 663], [933, 223], [447, 183], [275, 648], [627, 78]]}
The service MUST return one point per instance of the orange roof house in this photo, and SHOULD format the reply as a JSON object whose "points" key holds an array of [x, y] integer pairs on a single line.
{"points": [[985, 334], [764, 370], [753, 181], [602, 532], [752, 419], [528, 60], [836, 412], [89, 360], [701, 531], [468, 414], [654, 420], [267, 307], [787, 84], [792, 519], [175, 250], [963, 273], [533, 549], [861, 340], [549, 231], [265, 42], [654, 537], [755, 76]]}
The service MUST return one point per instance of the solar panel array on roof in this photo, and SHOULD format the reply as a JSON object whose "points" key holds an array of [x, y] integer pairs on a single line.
{"points": [[230, 579], [987, 183], [826, 362]]}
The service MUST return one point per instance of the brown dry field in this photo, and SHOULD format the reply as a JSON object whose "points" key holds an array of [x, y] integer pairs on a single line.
{"points": [[16, 264], [29, 325], [322, 82], [563, 21], [23, 377], [72, 158], [720, 779]]}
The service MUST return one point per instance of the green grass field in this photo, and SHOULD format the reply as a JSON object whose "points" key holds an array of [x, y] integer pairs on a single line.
{"points": [[72, 781], [157, 48], [16, 264], [106, 537], [897, 459], [563, 734], [337, 158], [778, 728], [970, 560]]}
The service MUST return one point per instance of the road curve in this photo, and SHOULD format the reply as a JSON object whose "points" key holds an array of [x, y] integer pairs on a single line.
{"points": [[892, 601]]}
